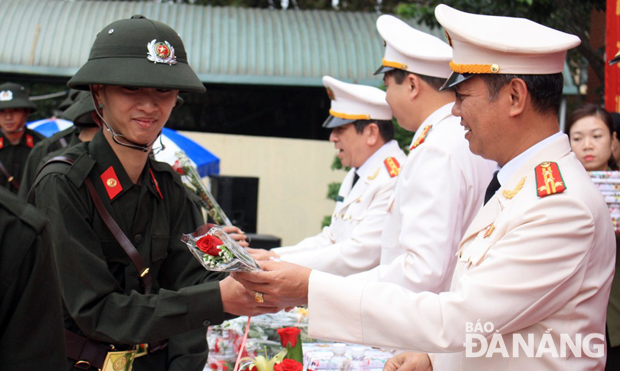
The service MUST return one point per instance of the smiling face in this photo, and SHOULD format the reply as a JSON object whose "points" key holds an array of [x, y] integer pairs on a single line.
{"points": [[591, 142], [137, 113], [479, 116], [12, 120]]}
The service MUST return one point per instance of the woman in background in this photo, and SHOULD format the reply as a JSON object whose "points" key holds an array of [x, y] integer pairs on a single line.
{"points": [[593, 139], [591, 133]]}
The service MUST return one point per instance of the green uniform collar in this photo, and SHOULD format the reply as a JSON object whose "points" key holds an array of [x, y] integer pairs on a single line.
{"points": [[103, 153]]}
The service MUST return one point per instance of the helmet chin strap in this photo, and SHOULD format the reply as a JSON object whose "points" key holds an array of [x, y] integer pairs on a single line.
{"points": [[115, 136]]}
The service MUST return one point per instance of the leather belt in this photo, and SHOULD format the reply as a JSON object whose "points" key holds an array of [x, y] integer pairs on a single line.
{"points": [[86, 352], [89, 353]]}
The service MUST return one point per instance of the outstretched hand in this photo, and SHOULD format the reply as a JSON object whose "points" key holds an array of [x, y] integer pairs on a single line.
{"points": [[240, 302], [283, 284]]}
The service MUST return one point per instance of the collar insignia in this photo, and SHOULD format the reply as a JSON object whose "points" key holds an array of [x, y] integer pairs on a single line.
{"points": [[549, 179], [29, 140], [421, 138], [111, 183], [373, 176], [392, 166], [6, 95], [161, 52], [510, 194]]}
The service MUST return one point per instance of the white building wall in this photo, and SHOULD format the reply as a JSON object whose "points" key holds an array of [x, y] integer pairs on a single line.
{"points": [[293, 177]]}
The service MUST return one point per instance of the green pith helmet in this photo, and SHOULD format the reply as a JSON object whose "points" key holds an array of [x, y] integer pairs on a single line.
{"points": [[138, 52], [80, 111], [69, 100], [15, 96]]}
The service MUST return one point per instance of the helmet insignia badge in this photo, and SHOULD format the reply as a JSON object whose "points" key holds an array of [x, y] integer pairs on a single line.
{"points": [[6, 95], [161, 52]]}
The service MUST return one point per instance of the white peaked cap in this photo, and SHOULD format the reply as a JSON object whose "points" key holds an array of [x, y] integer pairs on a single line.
{"points": [[504, 45], [352, 102], [412, 50]]}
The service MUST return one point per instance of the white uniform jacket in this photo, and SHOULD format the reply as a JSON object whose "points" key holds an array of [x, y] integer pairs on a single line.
{"points": [[438, 193], [545, 267], [352, 242]]}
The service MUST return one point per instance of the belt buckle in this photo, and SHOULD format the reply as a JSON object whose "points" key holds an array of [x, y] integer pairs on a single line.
{"points": [[142, 350], [119, 360]]}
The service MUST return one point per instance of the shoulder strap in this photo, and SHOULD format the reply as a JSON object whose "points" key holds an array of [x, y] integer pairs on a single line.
{"points": [[109, 221], [8, 176]]}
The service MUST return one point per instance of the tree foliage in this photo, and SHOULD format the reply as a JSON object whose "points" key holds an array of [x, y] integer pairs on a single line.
{"points": [[571, 16]]}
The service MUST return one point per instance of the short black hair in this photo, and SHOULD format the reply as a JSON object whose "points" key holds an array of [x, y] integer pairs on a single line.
{"points": [[386, 128], [400, 76], [545, 90]]}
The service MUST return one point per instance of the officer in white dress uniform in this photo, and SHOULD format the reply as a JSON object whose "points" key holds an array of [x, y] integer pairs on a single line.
{"points": [[535, 267], [441, 186], [363, 132]]}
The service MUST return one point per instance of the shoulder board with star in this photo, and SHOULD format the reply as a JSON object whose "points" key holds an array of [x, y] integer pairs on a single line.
{"points": [[549, 179], [392, 166], [421, 138]]}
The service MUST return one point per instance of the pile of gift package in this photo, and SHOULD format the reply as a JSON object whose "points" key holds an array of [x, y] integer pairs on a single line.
{"points": [[225, 343]]}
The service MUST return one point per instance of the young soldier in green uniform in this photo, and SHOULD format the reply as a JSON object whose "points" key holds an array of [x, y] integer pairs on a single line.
{"points": [[83, 130], [135, 71], [16, 140], [31, 335]]}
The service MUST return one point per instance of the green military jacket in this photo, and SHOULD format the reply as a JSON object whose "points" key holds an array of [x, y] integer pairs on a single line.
{"points": [[56, 144], [13, 157], [31, 330], [100, 286]]}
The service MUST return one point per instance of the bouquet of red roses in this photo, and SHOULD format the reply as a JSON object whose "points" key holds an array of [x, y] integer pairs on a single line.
{"points": [[217, 251]]}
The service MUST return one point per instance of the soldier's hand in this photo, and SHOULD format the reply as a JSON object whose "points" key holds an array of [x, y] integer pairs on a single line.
{"points": [[262, 254], [241, 302], [236, 234], [282, 284], [409, 362]]}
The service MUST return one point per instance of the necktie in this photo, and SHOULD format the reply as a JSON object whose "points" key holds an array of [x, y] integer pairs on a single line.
{"points": [[355, 179], [492, 188]]}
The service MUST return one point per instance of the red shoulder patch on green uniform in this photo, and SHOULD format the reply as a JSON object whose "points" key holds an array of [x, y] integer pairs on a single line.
{"points": [[29, 140], [111, 182], [549, 179], [392, 166], [421, 138]]}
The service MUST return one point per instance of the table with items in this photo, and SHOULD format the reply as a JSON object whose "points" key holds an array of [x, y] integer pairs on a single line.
{"points": [[263, 343]]}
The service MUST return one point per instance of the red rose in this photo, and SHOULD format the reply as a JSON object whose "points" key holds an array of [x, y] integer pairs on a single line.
{"points": [[288, 365], [289, 335], [178, 168], [209, 245]]}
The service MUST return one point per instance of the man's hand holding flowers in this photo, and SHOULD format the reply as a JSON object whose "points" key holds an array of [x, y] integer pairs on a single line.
{"points": [[283, 285]]}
